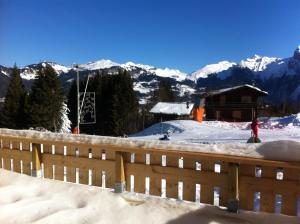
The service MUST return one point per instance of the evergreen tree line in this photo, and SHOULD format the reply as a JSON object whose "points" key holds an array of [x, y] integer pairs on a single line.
{"points": [[39, 108], [117, 111]]}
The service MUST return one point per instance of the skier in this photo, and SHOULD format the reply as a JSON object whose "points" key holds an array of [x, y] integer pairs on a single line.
{"points": [[166, 136], [254, 134]]}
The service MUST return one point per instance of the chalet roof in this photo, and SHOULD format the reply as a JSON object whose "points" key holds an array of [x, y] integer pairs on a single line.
{"points": [[219, 91], [172, 108]]}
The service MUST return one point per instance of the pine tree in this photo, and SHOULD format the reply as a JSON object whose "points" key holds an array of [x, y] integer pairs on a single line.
{"points": [[13, 112], [72, 105], [46, 100], [162, 94], [64, 119], [116, 104], [165, 92]]}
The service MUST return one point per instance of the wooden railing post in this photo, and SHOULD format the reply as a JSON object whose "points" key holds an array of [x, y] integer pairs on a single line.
{"points": [[119, 172], [36, 160], [233, 187]]}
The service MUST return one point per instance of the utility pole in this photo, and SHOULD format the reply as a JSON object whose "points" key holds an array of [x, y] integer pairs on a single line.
{"points": [[78, 101]]}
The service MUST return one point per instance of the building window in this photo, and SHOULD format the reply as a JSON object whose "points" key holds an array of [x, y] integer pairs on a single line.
{"points": [[246, 99], [237, 115]]}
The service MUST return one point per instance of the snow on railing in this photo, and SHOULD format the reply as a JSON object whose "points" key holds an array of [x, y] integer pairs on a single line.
{"points": [[262, 177]]}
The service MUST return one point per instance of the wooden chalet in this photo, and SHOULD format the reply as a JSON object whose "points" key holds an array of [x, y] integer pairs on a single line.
{"points": [[238, 103]]}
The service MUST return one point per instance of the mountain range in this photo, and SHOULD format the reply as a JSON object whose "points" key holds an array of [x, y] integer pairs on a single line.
{"points": [[279, 76]]}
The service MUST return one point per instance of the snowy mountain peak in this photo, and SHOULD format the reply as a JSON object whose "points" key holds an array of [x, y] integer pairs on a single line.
{"points": [[211, 69], [257, 63], [101, 64], [129, 65], [162, 72], [59, 68]]}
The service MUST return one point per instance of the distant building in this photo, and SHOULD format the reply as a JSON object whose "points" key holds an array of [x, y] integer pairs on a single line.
{"points": [[238, 103], [171, 111]]}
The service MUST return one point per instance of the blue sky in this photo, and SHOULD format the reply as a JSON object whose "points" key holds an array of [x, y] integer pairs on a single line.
{"points": [[177, 34]]}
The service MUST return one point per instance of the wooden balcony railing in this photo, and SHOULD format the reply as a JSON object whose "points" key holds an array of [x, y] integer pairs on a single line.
{"points": [[181, 171]]}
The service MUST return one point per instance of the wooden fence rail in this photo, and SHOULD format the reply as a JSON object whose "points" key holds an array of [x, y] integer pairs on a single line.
{"points": [[226, 180]]}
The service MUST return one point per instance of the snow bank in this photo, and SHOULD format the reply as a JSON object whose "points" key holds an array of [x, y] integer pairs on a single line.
{"points": [[280, 122], [25, 199], [234, 149]]}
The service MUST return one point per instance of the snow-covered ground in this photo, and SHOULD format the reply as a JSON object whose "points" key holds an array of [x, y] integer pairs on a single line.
{"points": [[271, 129], [25, 199]]}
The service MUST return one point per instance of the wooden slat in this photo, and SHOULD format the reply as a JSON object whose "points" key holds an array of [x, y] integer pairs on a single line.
{"points": [[291, 174], [17, 164], [140, 158], [26, 161], [247, 170], [110, 154], [16, 161], [246, 196], [16, 154], [110, 178], [6, 157], [207, 194], [84, 172], [265, 184], [59, 168], [189, 163], [81, 163], [189, 190], [48, 167], [71, 171], [155, 186], [289, 204], [172, 187], [155, 159], [267, 201], [96, 173], [205, 177], [172, 161], [268, 172]]}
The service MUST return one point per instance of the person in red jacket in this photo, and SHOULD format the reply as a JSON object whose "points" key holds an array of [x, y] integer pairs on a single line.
{"points": [[254, 127]]}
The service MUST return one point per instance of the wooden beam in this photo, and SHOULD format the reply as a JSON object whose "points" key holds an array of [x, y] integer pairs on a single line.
{"points": [[36, 160], [233, 187], [119, 173]]}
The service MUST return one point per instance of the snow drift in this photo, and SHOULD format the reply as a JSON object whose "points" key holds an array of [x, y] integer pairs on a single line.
{"points": [[25, 199]]}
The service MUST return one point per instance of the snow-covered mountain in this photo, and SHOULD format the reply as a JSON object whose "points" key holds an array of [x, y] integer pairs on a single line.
{"points": [[262, 66], [279, 76], [146, 77], [212, 69]]}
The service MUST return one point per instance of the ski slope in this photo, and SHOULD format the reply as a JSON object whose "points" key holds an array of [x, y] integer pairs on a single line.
{"points": [[210, 132]]}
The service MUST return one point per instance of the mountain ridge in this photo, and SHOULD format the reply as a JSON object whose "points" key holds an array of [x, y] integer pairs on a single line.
{"points": [[268, 73]]}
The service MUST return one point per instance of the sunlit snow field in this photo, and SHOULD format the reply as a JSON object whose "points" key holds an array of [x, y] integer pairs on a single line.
{"points": [[271, 129], [25, 199]]}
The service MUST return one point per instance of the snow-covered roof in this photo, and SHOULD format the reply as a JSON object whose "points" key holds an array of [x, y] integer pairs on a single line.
{"points": [[172, 108], [216, 92]]}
